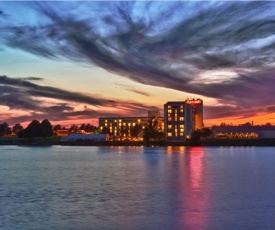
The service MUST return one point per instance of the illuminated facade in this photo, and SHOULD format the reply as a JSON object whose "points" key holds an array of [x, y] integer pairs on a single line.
{"points": [[181, 118], [121, 126], [197, 113]]}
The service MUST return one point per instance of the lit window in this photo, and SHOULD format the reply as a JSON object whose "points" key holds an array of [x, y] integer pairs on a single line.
{"points": [[181, 130], [129, 124], [181, 118], [169, 111], [169, 126], [124, 124], [119, 120], [138, 120], [134, 124], [114, 120], [181, 110], [119, 124], [181, 134], [105, 120], [181, 126], [169, 106], [181, 106], [169, 134], [169, 118]]}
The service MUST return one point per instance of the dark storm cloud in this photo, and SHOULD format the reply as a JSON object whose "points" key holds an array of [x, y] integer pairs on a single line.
{"points": [[29, 89], [166, 44], [20, 94]]}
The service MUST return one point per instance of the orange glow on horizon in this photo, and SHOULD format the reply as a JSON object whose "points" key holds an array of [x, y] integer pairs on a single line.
{"points": [[257, 120]]}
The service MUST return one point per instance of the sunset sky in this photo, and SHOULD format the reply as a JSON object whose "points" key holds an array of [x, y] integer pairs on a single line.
{"points": [[72, 62]]}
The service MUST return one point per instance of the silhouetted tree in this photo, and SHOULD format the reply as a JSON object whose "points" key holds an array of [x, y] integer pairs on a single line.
{"points": [[57, 127], [205, 132], [46, 128], [90, 128], [195, 137], [36, 129], [17, 128], [82, 127], [73, 129], [33, 130], [4, 129], [247, 124], [136, 130], [152, 131], [268, 124]]}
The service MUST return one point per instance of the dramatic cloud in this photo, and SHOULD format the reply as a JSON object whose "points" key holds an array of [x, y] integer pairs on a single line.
{"points": [[57, 104], [223, 50]]}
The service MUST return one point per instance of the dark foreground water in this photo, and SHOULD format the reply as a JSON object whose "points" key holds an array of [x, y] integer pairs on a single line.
{"points": [[137, 188]]}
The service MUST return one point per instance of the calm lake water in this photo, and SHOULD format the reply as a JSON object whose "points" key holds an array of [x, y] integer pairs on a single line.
{"points": [[137, 188]]}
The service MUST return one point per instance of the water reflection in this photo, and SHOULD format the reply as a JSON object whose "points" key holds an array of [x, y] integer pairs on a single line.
{"points": [[194, 192], [176, 186]]}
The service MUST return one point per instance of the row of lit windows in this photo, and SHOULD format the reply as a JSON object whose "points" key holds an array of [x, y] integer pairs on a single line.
{"points": [[170, 107], [106, 121], [176, 119], [175, 111], [169, 134], [170, 126]]}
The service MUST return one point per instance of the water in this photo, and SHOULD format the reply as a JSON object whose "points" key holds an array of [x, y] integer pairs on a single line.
{"points": [[137, 188]]}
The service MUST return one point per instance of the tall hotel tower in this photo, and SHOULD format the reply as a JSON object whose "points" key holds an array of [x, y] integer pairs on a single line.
{"points": [[181, 118]]}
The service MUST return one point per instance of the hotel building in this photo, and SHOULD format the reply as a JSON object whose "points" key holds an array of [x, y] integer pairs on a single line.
{"points": [[121, 126], [181, 118]]}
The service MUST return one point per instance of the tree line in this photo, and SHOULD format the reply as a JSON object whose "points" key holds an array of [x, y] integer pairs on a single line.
{"points": [[42, 129], [33, 130]]}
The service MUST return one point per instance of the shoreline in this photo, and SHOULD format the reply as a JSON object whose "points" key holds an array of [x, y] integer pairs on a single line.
{"points": [[203, 143]]}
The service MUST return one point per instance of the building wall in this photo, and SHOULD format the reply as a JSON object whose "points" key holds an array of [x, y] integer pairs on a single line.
{"points": [[174, 121], [120, 126], [197, 107]]}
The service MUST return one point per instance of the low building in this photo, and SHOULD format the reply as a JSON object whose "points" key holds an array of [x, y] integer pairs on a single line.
{"points": [[121, 126], [61, 132], [243, 132], [86, 137]]}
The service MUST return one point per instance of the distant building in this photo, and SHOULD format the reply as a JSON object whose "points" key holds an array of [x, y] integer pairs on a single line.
{"points": [[240, 132], [61, 132], [181, 118], [121, 126]]}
